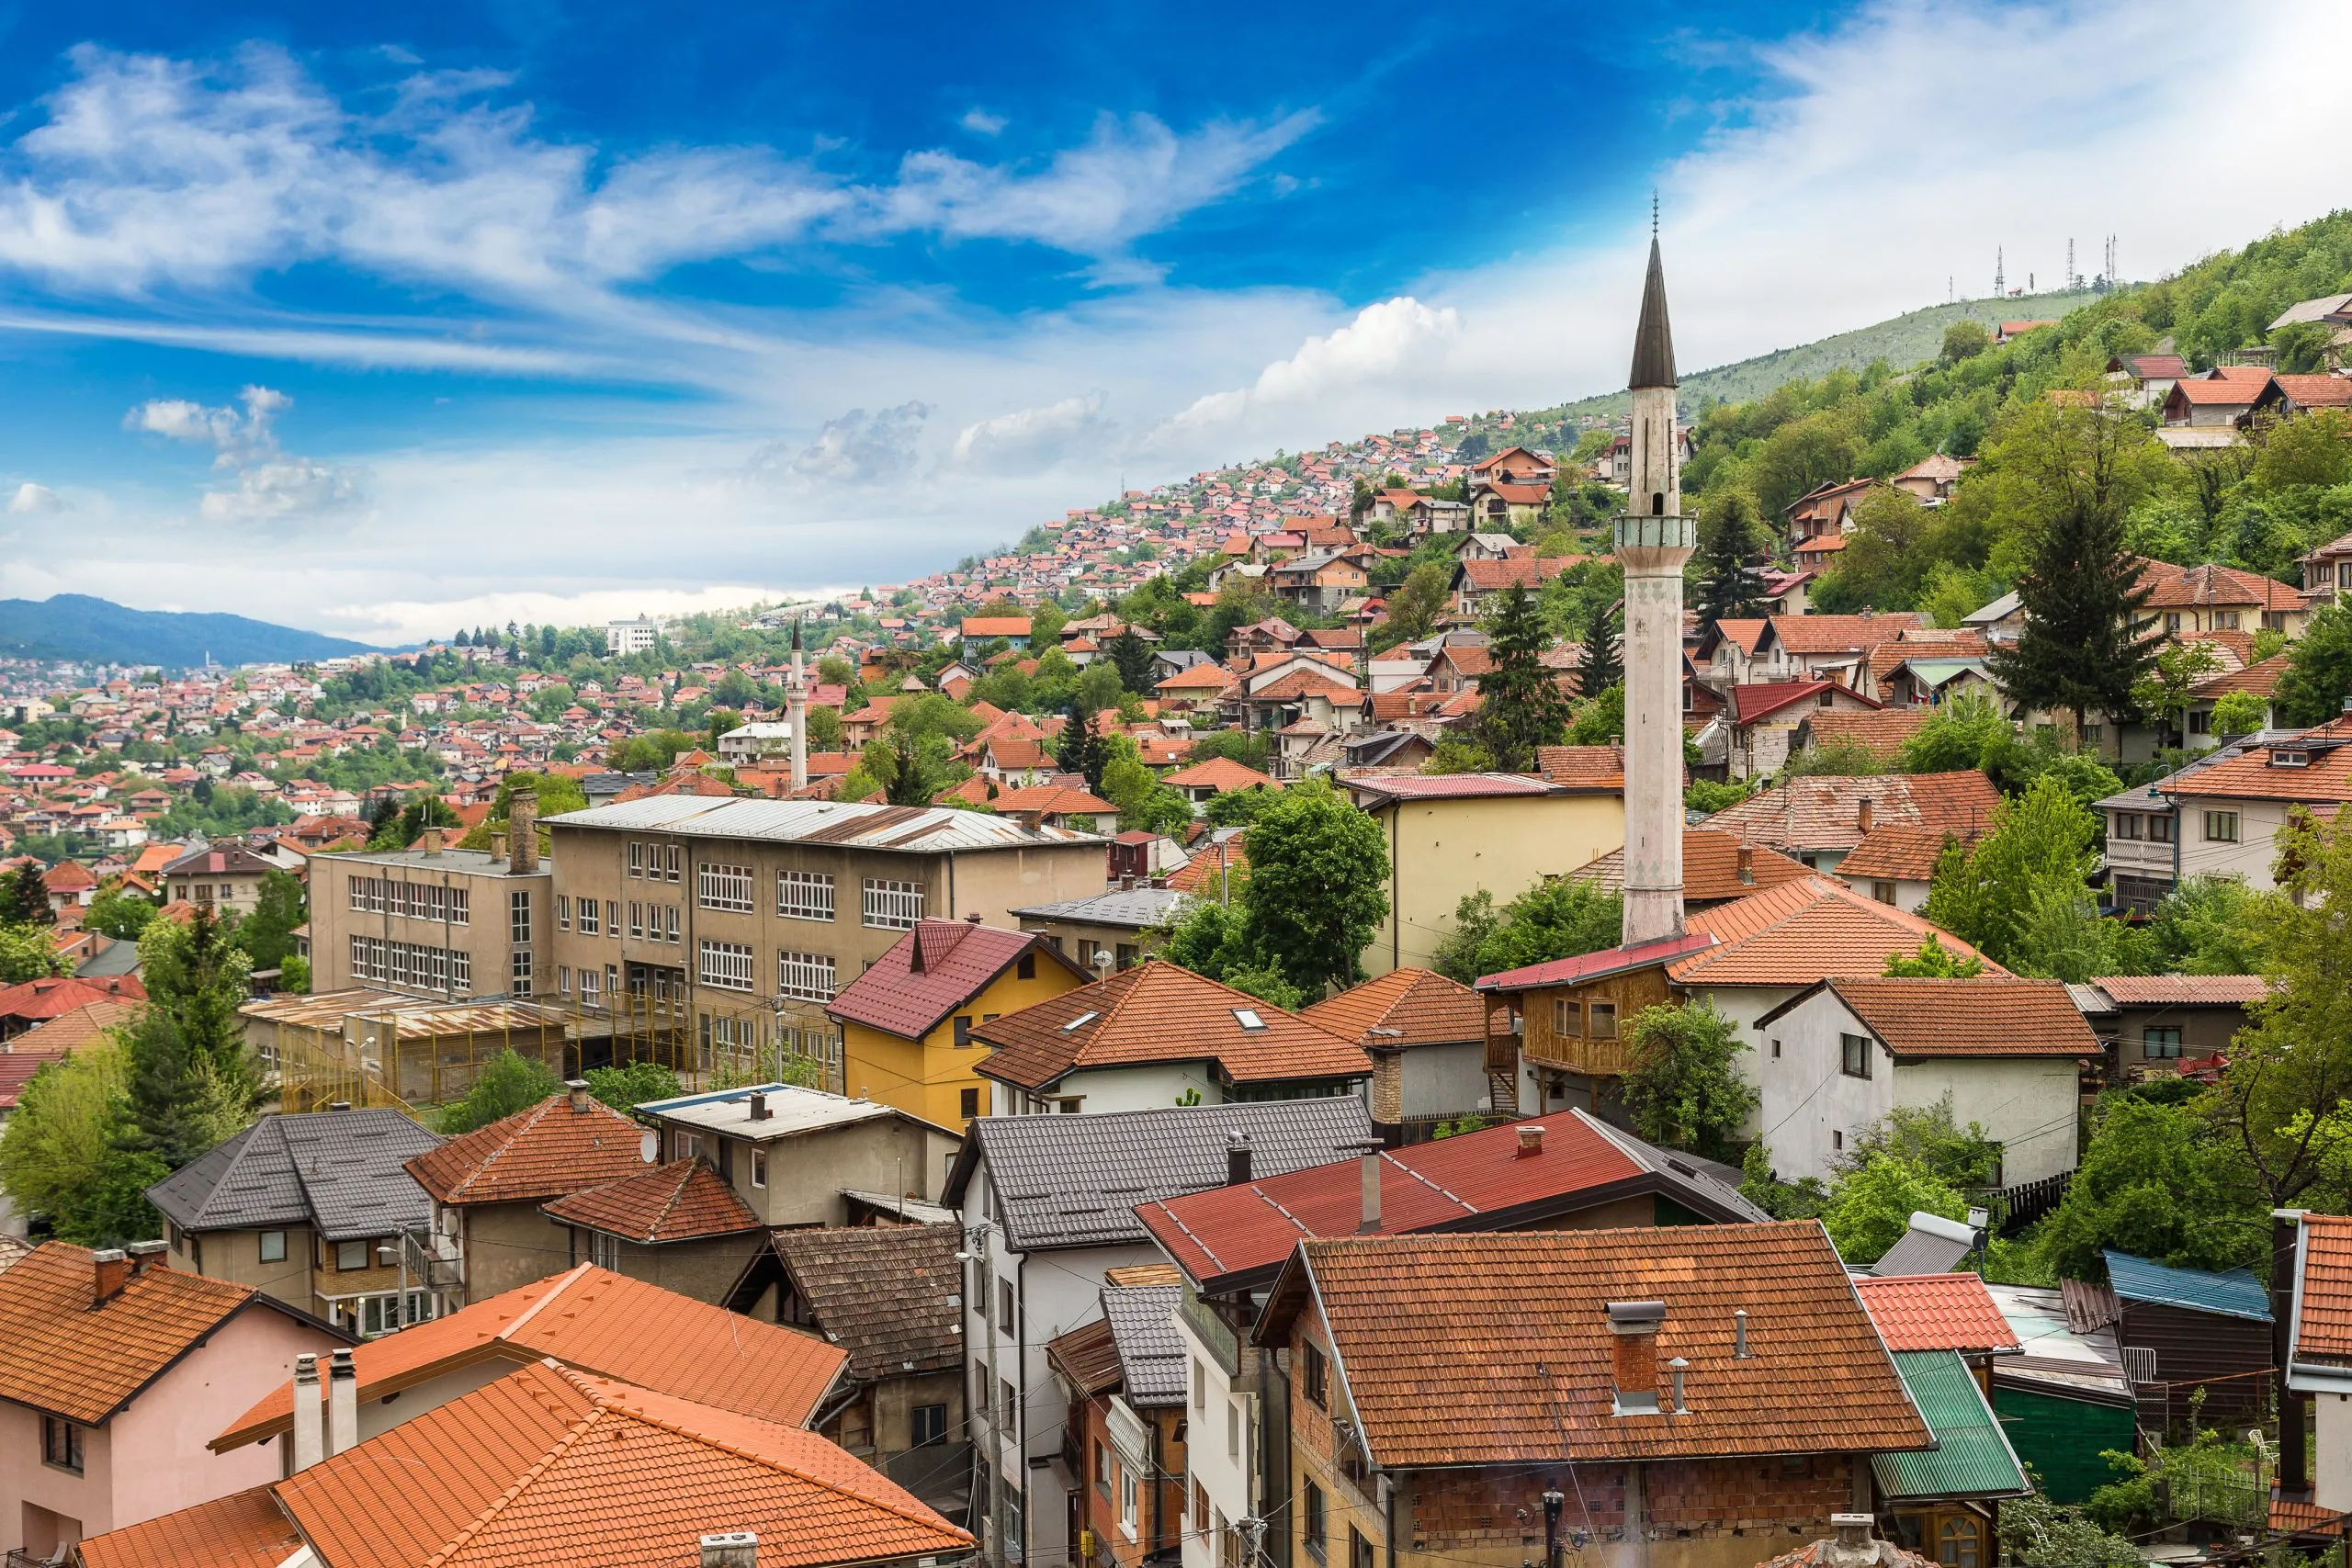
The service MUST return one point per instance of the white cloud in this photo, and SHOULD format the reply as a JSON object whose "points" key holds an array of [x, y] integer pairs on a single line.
{"points": [[858, 448], [984, 123], [1032, 438], [266, 485], [35, 501], [1372, 355]]}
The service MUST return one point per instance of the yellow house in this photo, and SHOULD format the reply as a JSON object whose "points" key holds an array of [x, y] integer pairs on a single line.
{"points": [[1456, 834], [907, 1023]]}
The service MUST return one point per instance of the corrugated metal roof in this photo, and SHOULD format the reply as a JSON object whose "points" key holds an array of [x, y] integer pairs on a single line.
{"points": [[1141, 908], [1972, 1457], [925, 830], [2235, 1294]]}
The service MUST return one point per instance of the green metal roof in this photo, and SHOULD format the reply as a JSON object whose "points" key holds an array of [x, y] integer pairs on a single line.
{"points": [[1972, 1457]]}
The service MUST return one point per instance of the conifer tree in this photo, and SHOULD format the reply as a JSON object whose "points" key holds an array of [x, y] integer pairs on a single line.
{"points": [[1083, 750], [1731, 585], [1602, 667], [1521, 706], [191, 1082]]}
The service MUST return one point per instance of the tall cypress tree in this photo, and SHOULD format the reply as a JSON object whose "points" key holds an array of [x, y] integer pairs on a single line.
{"points": [[1731, 552], [1603, 666], [2084, 645], [1521, 706]]}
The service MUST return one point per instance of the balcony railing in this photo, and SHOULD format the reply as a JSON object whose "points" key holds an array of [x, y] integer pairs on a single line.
{"points": [[1658, 533]]}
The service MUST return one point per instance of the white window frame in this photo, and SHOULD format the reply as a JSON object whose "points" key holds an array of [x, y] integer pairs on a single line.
{"points": [[591, 917], [805, 894], [809, 975], [726, 965], [724, 887], [892, 905], [563, 911]]}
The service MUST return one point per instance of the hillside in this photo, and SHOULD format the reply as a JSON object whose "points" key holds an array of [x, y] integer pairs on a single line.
{"points": [[1902, 342], [77, 626]]}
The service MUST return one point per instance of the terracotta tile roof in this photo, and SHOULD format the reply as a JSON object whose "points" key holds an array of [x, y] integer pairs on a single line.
{"points": [[1157, 1013], [2261, 678], [1597, 768], [2323, 1306], [1411, 1007], [1824, 813], [2181, 587], [1210, 865], [2316, 391], [16, 1071], [1742, 634], [1936, 1312], [599, 1322], [47, 998], [1817, 1554], [2232, 392], [1749, 704], [2184, 990], [1493, 576], [76, 1026], [985, 627], [1301, 684], [1461, 1324], [1200, 677], [2305, 1518], [1840, 634], [1233, 1238], [549, 1466], [60, 1354], [887, 1295], [1710, 868], [2327, 779], [1445, 786], [1592, 966], [684, 1201], [1802, 933], [1882, 734], [1219, 774], [1052, 800], [537, 1154], [1988, 1015], [1893, 853], [931, 971], [244, 1529]]}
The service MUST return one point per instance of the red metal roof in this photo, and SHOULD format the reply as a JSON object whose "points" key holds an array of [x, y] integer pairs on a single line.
{"points": [[931, 971], [1590, 966]]}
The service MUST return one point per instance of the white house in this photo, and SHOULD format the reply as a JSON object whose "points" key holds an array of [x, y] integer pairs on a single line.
{"points": [[1835, 1058], [749, 743], [1047, 1203]]}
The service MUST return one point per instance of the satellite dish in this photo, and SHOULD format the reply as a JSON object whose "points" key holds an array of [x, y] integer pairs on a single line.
{"points": [[648, 1147]]}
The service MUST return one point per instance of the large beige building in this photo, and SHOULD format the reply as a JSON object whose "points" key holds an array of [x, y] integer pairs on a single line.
{"points": [[748, 916], [433, 922]]}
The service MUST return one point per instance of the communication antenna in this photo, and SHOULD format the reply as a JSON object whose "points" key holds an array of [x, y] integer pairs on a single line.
{"points": [[1999, 281]]}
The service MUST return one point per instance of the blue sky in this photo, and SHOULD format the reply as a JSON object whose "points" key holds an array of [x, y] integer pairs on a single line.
{"points": [[539, 310]]}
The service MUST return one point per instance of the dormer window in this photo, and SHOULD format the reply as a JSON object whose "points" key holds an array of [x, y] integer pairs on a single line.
{"points": [[2291, 759]]}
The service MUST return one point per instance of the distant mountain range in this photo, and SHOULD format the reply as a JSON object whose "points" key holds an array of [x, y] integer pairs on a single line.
{"points": [[97, 631]]}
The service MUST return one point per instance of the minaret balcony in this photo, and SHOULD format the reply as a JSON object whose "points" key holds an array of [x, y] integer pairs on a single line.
{"points": [[1651, 533]]}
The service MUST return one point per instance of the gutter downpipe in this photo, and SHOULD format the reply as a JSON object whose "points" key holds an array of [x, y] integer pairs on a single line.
{"points": [[1395, 899]]}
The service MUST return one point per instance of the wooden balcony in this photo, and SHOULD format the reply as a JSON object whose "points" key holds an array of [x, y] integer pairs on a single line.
{"points": [[1599, 1059]]}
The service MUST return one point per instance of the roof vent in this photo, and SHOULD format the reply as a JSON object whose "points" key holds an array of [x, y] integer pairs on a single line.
{"points": [[1237, 1158], [577, 1090], [759, 1106], [731, 1549], [1080, 1021]]}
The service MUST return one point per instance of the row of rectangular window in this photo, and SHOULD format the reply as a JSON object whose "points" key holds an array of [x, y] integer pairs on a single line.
{"points": [[724, 887], [730, 966], [888, 904], [417, 900], [1578, 1021], [656, 863], [412, 965]]}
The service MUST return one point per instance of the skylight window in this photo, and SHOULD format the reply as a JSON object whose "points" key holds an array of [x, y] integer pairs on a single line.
{"points": [[1080, 1021], [1248, 1018]]}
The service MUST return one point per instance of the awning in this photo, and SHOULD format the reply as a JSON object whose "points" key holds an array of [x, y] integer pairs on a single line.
{"points": [[1972, 1457]]}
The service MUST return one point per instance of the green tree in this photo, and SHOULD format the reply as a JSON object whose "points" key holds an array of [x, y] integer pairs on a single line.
{"points": [[1599, 718], [294, 974], [23, 901], [1564, 918], [1082, 748], [1454, 754], [1318, 873], [64, 1157], [191, 1081], [2158, 1181], [629, 1085], [1731, 553], [1416, 605], [267, 935], [1131, 656], [2041, 841], [1930, 1137], [2318, 676], [1598, 667], [1521, 706], [1843, 758], [2168, 689], [1684, 1087], [2206, 925], [2239, 712], [1934, 961], [119, 913], [2083, 647], [1886, 558], [1870, 1207], [28, 953], [1965, 340], [508, 1082], [1238, 807]]}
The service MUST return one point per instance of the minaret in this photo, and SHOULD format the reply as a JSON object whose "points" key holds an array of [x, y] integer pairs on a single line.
{"points": [[796, 713], [1654, 540]]}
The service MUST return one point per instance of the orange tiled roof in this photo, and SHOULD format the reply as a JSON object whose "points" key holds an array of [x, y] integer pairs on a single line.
{"points": [[1804, 932], [1936, 1312], [1824, 813], [1481, 576], [1893, 853], [1710, 868], [1210, 864], [2179, 587], [1742, 634], [549, 1466], [1220, 774], [244, 1529], [77, 1027], [2261, 678], [1462, 1323], [1882, 734], [599, 1322], [2184, 990], [1988, 1016], [684, 1201], [60, 1354], [1158, 1012], [1421, 1006], [1600, 768], [537, 1154], [1052, 800], [1840, 634], [2326, 779], [2323, 1307]]}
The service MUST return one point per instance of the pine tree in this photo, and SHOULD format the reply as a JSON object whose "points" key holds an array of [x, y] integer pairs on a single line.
{"points": [[23, 900], [1731, 586], [1601, 668], [1521, 706], [1083, 750], [191, 1082], [1131, 656]]}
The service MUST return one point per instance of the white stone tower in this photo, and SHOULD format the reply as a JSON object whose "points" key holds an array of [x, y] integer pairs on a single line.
{"points": [[796, 713], [1654, 540]]}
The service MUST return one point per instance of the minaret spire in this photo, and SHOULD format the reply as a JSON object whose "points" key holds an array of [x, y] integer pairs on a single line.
{"points": [[796, 713]]}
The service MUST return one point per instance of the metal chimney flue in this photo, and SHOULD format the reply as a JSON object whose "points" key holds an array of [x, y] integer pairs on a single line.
{"points": [[1370, 1220], [343, 1404], [1237, 1158], [1739, 1351], [309, 1416]]}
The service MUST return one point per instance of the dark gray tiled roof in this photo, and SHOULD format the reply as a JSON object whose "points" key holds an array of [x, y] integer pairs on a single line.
{"points": [[887, 1295], [337, 1169], [1075, 1180], [1139, 908], [1152, 1353], [1686, 1176]]}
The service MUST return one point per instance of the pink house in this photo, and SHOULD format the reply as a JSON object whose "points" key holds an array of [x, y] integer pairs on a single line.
{"points": [[114, 1371]]}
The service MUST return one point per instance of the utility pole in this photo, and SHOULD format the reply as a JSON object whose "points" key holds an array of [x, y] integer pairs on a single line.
{"points": [[976, 1250], [1999, 283], [1551, 1503]]}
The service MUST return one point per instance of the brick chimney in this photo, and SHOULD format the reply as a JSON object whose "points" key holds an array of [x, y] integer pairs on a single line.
{"points": [[1863, 813], [523, 831], [146, 1255], [343, 1404], [733, 1549], [577, 1090], [1747, 866], [759, 1106], [309, 1416], [1634, 1326], [109, 1272], [430, 839], [1531, 1143]]}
